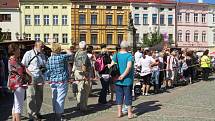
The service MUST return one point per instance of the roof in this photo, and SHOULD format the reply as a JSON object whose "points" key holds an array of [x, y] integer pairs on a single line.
{"points": [[127, 1], [9, 3], [60, 1], [188, 3]]}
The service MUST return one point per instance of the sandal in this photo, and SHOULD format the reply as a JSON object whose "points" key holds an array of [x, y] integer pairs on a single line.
{"points": [[132, 116]]}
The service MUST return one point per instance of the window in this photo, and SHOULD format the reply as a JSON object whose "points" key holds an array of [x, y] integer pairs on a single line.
{"points": [[46, 19], [46, 7], [37, 37], [162, 19], [109, 39], [180, 36], [56, 37], [196, 36], [93, 19], [170, 18], [137, 37], [82, 6], [36, 7], [170, 9], [187, 36], [55, 19], [82, 19], [27, 7], [213, 18], [120, 38], [214, 38], [203, 36], [64, 7], [171, 38], [28, 36], [203, 18], [109, 19], [46, 38], [119, 19], [187, 17], [94, 38], [82, 37], [108, 7], [179, 17], [27, 20], [64, 20], [36, 20], [65, 38], [6, 35], [55, 7], [195, 17], [93, 7], [5, 17], [136, 8], [119, 7], [161, 9], [145, 19], [154, 19], [136, 19], [145, 8]]}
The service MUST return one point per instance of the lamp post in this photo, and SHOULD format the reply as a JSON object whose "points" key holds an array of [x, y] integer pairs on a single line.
{"points": [[21, 36], [131, 33]]}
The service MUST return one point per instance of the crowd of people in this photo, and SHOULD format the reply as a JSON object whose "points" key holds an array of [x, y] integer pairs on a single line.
{"points": [[118, 72]]}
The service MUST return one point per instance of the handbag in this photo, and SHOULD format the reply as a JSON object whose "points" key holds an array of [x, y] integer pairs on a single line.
{"points": [[114, 70]]}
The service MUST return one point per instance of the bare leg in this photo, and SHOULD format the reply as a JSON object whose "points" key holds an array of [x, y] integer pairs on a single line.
{"points": [[130, 114], [119, 110], [17, 117], [14, 116], [144, 88], [147, 89], [169, 83]]}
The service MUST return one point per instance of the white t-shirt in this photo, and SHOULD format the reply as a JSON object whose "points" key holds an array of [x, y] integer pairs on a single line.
{"points": [[137, 56], [145, 63]]}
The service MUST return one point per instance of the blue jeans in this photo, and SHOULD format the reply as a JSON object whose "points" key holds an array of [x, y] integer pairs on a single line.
{"points": [[59, 92], [155, 77], [123, 94], [103, 94]]}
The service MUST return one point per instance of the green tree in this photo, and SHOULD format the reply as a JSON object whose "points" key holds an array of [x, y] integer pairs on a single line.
{"points": [[152, 39]]}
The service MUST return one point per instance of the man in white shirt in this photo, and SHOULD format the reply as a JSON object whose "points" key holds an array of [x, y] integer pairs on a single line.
{"points": [[35, 61]]}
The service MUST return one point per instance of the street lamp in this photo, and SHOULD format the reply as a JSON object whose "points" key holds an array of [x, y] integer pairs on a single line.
{"points": [[21, 36]]}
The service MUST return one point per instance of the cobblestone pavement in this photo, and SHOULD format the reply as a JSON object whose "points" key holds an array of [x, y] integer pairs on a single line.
{"points": [[194, 102]]}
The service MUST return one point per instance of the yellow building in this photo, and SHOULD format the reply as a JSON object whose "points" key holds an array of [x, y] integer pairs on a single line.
{"points": [[46, 20], [99, 21]]}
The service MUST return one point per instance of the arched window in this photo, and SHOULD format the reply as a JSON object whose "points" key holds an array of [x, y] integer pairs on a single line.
{"points": [[180, 36], [203, 36], [196, 36], [187, 36]]}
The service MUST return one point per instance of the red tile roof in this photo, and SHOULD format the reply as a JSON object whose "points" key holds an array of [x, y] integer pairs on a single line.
{"points": [[9, 3]]}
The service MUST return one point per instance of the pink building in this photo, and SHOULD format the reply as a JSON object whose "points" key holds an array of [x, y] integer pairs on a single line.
{"points": [[192, 25]]}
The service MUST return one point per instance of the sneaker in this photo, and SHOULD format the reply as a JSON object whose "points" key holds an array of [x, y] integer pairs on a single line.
{"points": [[143, 94], [147, 94]]}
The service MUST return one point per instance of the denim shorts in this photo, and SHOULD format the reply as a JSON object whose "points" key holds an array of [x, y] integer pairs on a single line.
{"points": [[123, 94]]}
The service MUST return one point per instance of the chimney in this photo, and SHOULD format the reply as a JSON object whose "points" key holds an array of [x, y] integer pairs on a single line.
{"points": [[200, 1]]}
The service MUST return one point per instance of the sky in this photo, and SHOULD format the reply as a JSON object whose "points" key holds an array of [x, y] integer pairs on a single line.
{"points": [[206, 1]]}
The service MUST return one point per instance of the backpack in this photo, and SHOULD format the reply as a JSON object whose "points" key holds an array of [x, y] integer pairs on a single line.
{"points": [[99, 64]]}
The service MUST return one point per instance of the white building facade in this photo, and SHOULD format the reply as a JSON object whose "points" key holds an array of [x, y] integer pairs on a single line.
{"points": [[9, 19], [154, 17], [211, 26]]}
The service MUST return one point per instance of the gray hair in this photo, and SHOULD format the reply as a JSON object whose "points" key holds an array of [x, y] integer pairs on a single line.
{"points": [[124, 44], [82, 44]]}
